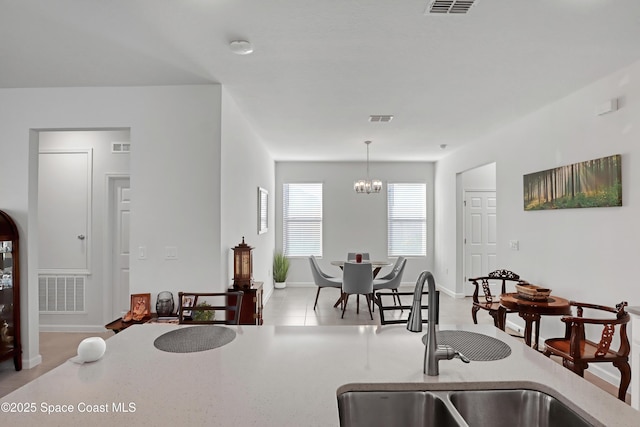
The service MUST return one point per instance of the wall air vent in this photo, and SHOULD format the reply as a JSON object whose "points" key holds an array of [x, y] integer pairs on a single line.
{"points": [[450, 6], [120, 147], [380, 118]]}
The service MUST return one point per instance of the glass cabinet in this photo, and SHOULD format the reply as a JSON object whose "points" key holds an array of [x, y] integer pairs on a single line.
{"points": [[9, 292]]}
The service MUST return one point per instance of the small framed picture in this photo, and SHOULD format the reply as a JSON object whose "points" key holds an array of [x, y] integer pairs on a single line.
{"points": [[187, 301], [140, 306]]}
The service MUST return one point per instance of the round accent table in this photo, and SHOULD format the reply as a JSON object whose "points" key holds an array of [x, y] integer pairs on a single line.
{"points": [[531, 311]]}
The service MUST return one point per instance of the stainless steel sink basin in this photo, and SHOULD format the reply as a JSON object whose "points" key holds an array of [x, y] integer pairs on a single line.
{"points": [[398, 408], [523, 408], [451, 407]]}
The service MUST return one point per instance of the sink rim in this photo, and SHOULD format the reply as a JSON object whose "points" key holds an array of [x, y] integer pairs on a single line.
{"points": [[469, 386]]}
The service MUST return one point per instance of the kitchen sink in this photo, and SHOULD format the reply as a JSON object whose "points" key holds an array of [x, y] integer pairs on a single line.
{"points": [[397, 408], [523, 408], [450, 407]]}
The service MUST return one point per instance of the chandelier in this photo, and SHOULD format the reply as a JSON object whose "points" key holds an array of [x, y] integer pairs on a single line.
{"points": [[368, 185]]}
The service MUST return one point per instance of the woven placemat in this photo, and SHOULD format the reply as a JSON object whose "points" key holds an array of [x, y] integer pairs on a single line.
{"points": [[194, 338], [474, 346]]}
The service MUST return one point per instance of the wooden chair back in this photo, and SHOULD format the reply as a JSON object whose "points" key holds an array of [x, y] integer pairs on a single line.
{"points": [[209, 308]]}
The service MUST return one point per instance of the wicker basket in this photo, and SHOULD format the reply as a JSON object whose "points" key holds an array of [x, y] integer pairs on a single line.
{"points": [[532, 292]]}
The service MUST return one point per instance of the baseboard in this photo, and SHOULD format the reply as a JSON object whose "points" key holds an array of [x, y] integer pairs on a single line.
{"points": [[31, 363], [73, 328]]}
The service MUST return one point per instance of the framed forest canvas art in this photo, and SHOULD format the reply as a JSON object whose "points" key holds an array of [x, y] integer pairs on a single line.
{"points": [[589, 184]]}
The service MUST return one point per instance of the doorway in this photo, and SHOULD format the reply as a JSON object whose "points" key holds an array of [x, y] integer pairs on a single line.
{"points": [[75, 290], [479, 223]]}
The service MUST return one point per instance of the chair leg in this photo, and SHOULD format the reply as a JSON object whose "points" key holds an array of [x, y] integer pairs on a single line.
{"points": [[474, 314], [369, 306], [345, 299], [625, 378], [317, 294], [397, 295]]}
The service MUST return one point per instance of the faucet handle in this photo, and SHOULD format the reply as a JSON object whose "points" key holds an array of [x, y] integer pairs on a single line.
{"points": [[461, 356]]}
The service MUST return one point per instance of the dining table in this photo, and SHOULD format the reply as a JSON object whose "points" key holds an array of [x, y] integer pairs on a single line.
{"points": [[375, 265], [531, 311]]}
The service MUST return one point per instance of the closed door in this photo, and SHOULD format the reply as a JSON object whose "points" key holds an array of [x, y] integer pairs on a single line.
{"points": [[64, 214], [120, 201], [480, 235]]}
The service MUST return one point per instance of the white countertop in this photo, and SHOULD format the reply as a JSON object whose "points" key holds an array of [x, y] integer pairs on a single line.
{"points": [[274, 376]]}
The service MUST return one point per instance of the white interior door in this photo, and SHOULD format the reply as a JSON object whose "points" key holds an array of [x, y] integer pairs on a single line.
{"points": [[64, 213], [121, 199], [480, 235]]}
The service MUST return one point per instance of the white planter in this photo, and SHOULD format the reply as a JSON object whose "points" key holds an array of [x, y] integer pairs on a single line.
{"points": [[280, 285]]}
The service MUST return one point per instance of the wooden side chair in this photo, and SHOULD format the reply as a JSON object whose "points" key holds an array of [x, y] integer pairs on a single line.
{"points": [[577, 351], [487, 301], [209, 308]]}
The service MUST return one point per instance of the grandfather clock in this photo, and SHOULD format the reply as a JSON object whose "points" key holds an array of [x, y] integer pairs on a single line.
{"points": [[242, 266]]}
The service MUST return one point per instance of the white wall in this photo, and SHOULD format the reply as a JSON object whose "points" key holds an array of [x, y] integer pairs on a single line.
{"points": [[175, 179], [353, 222], [581, 254], [246, 165]]}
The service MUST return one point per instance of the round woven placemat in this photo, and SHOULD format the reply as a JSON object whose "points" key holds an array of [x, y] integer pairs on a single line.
{"points": [[474, 346], [195, 338]]}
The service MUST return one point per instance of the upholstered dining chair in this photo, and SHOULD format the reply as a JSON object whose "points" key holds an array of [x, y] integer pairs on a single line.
{"points": [[487, 301], [357, 278], [322, 279], [351, 256], [577, 352], [392, 280]]}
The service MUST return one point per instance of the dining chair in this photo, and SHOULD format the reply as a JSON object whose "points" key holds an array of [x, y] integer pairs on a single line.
{"points": [[351, 256], [322, 279], [357, 278], [487, 301], [577, 351], [392, 280], [209, 308]]}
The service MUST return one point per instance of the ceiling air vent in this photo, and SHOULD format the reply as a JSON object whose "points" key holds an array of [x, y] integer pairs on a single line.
{"points": [[450, 6], [380, 118]]}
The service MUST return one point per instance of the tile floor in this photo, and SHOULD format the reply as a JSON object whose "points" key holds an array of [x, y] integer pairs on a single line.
{"points": [[289, 306]]}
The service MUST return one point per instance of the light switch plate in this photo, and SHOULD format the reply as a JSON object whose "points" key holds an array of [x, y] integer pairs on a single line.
{"points": [[170, 252], [514, 245]]}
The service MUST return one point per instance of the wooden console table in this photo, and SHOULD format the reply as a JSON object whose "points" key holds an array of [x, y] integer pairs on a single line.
{"points": [[120, 325], [251, 309]]}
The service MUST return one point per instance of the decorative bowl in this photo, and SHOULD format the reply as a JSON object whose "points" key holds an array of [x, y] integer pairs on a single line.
{"points": [[532, 292]]}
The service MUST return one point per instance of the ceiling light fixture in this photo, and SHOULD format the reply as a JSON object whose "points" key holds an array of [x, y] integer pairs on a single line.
{"points": [[368, 185], [241, 47]]}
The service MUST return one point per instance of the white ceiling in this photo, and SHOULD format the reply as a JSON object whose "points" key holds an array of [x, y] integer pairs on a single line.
{"points": [[321, 67]]}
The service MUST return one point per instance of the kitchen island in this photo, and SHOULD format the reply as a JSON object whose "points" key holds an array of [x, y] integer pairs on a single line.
{"points": [[273, 376]]}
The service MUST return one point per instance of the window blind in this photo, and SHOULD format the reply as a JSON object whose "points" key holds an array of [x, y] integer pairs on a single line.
{"points": [[407, 219], [302, 219]]}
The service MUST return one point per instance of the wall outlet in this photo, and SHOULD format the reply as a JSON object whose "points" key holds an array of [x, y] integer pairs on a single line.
{"points": [[514, 245]]}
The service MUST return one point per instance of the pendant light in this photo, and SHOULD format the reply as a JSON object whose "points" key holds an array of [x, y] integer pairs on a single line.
{"points": [[367, 185]]}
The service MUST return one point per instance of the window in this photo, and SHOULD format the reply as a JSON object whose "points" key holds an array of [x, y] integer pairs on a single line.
{"points": [[302, 219], [407, 219]]}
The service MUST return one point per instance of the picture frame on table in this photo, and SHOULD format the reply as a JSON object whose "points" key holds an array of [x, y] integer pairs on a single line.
{"points": [[188, 300]]}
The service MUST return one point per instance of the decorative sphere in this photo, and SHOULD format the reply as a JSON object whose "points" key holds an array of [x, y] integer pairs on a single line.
{"points": [[91, 349]]}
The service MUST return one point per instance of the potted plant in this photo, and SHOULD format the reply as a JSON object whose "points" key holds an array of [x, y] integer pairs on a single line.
{"points": [[280, 270]]}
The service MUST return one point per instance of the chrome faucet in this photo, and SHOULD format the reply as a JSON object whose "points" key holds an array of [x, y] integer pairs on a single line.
{"points": [[433, 352]]}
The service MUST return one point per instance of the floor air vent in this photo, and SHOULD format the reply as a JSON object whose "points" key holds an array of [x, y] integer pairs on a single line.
{"points": [[61, 294], [450, 6]]}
